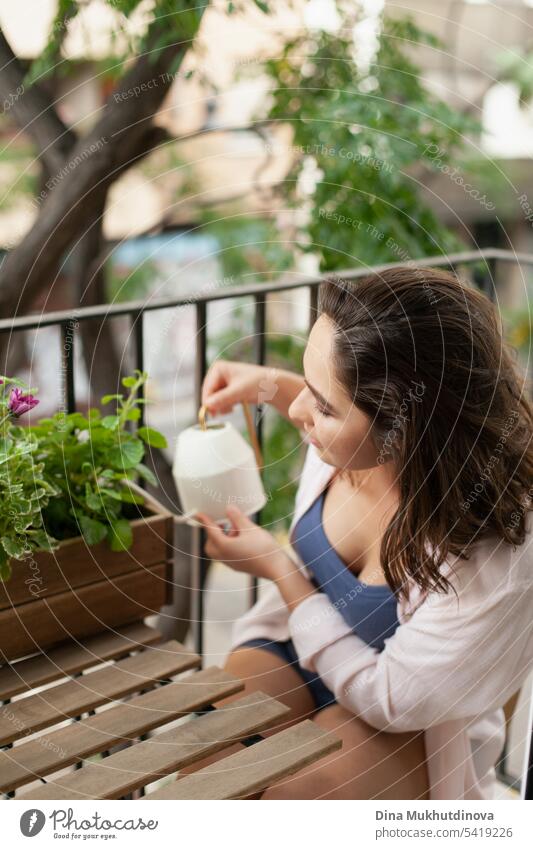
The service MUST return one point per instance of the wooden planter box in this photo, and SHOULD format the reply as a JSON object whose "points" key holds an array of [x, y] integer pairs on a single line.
{"points": [[80, 590]]}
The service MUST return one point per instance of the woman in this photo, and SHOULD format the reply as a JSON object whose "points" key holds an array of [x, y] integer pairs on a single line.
{"points": [[400, 616]]}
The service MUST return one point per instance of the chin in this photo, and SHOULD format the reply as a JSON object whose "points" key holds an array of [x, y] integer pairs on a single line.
{"points": [[323, 454]]}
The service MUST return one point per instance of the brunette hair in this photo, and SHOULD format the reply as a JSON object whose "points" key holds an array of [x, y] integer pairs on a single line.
{"points": [[422, 354]]}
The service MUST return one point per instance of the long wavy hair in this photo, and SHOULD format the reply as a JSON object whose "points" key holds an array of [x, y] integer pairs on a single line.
{"points": [[423, 355]]}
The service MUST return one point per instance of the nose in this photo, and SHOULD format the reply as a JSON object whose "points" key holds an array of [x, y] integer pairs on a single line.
{"points": [[298, 410]]}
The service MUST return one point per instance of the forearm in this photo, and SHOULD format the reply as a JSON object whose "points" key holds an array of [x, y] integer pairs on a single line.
{"points": [[283, 386], [290, 581]]}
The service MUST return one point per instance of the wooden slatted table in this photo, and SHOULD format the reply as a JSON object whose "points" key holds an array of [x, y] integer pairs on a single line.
{"points": [[104, 696]]}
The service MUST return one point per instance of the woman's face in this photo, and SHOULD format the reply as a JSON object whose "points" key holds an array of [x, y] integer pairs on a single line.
{"points": [[342, 432]]}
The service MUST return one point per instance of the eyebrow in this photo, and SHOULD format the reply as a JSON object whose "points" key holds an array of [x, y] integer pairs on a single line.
{"points": [[319, 397]]}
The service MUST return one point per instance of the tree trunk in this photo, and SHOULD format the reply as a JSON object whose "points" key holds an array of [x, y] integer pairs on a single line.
{"points": [[81, 173], [122, 136], [102, 360]]}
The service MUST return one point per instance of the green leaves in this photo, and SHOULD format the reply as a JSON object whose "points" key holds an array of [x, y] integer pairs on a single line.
{"points": [[127, 455], [24, 490], [68, 474], [110, 422], [145, 473], [152, 437], [120, 535], [42, 540], [131, 497], [167, 23], [92, 530], [362, 135], [13, 545], [129, 382], [5, 566]]}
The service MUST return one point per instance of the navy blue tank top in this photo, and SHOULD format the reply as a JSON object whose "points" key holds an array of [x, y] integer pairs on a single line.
{"points": [[370, 610]]}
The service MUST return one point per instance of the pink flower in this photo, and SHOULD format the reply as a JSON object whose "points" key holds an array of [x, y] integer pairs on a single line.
{"points": [[19, 403]]}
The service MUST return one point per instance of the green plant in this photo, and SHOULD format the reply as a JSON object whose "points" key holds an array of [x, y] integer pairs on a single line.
{"points": [[72, 473], [364, 134], [91, 459], [24, 491]]}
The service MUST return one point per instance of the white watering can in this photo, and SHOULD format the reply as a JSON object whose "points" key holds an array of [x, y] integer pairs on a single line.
{"points": [[214, 466]]}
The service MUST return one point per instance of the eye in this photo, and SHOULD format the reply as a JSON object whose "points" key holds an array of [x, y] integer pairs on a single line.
{"points": [[320, 410]]}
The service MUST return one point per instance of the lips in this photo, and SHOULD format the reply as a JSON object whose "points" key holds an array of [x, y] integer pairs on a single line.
{"points": [[309, 438]]}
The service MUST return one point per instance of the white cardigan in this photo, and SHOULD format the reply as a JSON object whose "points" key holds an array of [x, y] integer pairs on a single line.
{"points": [[448, 669]]}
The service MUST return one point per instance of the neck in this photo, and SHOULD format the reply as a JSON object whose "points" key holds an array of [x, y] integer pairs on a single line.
{"points": [[374, 481]]}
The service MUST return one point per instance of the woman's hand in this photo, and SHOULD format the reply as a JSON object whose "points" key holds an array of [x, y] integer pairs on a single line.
{"points": [[249, 548], [228, 383], [246, 547]]}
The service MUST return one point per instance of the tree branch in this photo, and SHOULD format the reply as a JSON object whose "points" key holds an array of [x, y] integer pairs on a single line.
{"points": [[102, 362], [122, 136], [33, 111]]}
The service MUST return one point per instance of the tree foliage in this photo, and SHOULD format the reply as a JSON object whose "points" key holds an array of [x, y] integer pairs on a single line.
{"points": [[167, 23], [365, 132]]}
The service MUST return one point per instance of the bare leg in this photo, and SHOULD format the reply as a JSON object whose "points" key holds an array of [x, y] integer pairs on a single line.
{"points": [[263, 670], [370, 765]]}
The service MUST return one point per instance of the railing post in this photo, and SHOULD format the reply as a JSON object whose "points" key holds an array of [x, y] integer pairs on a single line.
{"points": [[200, 563], [259, 358], [486, 279], [67, 365], [138, 336], [313, 305]]}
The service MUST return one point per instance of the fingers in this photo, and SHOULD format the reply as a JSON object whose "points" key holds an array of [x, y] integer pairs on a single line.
{"points": [[214, 534], [238, 519], [229, 529], [233, 530], [208, 523], [215, 379], [221, 402], [214, 529], [216, 395]]}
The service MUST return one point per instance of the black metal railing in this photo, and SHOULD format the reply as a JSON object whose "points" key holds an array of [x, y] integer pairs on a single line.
{"points": [[484, 264]]}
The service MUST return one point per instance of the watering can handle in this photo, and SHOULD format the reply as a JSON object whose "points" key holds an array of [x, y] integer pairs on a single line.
{"points": [[251, 430]]}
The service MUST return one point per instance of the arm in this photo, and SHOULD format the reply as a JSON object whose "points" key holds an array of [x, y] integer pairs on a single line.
{"points": [[446, 662], [292, 584], [228, 383], [282, 386]]}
